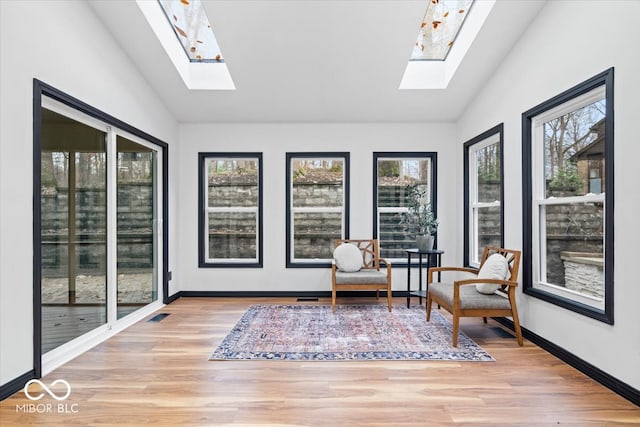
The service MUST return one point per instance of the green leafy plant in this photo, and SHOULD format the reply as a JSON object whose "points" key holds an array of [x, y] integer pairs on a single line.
{"points": [[567, 178], [419, 218]]}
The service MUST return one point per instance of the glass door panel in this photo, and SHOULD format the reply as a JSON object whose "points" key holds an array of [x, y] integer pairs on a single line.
{"points": [[137, 222], [73, 229]]}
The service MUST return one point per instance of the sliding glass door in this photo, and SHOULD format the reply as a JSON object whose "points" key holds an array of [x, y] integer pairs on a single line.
{"points": [[73, 212], [100, 230], [137, 226]]}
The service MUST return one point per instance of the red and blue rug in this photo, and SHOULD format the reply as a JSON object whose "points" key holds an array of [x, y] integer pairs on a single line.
{"points": [[352, 332]]}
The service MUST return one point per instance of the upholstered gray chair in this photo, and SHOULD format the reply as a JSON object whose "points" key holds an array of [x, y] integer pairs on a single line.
{"points": [[491, 293], [357, 266]]}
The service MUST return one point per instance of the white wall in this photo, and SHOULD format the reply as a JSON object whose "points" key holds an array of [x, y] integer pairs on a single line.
{"points": [[274, 140], [64, 45], [568, 43]]}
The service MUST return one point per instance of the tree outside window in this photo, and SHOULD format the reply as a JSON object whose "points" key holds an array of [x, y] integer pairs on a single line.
{"points": [[568, 207]]}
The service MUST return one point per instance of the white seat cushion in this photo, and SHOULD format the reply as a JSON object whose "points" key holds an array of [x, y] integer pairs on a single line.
{"points": [[348, 258], [495, 267]]}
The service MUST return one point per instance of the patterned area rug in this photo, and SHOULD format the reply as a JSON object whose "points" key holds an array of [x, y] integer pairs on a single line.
{"points": [[353, 332]]}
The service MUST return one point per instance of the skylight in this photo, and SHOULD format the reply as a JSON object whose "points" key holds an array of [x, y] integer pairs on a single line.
{"points": [[439, 29], [443, 42], [192, 28], [185, 33]]}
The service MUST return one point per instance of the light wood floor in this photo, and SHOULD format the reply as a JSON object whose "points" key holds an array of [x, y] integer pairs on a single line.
{"points": [[158, 373]]}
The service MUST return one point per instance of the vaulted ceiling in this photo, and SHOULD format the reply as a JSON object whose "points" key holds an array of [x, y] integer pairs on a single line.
{"points": [[317, 60]]}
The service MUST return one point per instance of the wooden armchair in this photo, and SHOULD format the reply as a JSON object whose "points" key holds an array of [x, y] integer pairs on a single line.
{"points": [[368, 277], [462, 299]]}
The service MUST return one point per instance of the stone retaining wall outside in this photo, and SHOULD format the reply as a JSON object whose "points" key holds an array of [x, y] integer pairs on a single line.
{"points": [[575, 228]]}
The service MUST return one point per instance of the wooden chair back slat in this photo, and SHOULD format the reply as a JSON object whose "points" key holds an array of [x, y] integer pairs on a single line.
{"points": [[512, 256], [369, 249]]}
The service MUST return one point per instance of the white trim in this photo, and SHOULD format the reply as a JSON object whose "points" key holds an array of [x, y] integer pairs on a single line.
{"points": [[571, 294], [392, 209], [230, 209], [79, 345], [71, 113], [112, 229], [485, 205], [474, 205], [591, 97], [398, 209], [159, 223], [540, 200], [587, 198], [337, 209], [314, 209]]}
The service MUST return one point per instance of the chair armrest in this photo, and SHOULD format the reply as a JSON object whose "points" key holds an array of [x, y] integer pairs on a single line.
{"points": [[440, 269], [459, 283], [384, 261]]}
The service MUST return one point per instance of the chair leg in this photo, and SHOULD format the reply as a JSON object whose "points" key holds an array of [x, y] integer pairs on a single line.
{"points": [[456, 329], [377, 294], [516, 325], [428, 306], [389, 301], [333, 299], [484, 319], [514, 314]]}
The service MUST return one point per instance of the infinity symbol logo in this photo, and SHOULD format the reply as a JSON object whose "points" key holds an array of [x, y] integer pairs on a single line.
{"points": [[47, 389]]}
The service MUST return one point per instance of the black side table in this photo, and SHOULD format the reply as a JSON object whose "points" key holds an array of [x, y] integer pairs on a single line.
{"points": [[433, 258]]}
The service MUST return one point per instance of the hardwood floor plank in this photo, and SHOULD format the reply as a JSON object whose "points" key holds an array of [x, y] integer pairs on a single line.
{"points": [[158, 373]]}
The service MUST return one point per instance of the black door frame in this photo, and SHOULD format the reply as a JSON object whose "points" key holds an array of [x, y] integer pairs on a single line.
{"points": [[41, 89]]}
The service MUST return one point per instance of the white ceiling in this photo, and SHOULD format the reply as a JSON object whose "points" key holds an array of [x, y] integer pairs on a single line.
{"points": [[317, 60]]}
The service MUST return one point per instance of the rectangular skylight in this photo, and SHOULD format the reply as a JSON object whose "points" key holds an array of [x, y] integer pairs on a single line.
{"points": [[439, 29], [201, 69], [191, 26], [428, 71]]}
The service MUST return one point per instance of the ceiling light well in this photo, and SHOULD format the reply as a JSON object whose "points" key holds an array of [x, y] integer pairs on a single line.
{"points": [[432, 74], [197, 75]]}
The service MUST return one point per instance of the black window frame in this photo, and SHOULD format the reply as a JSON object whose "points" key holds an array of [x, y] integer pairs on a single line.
{"points": [[289, 217], [605, 79], [202, 206], [499, 130], [433, 157]]}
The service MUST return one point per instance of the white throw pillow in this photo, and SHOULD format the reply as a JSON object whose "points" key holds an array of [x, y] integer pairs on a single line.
{"points": [[348, 258], [495, 267]]}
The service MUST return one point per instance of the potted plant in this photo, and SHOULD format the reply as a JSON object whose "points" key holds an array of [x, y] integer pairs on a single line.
{"points": [[419, 219]]}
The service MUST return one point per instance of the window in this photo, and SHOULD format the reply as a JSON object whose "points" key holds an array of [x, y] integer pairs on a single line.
{"points": [[317, 206], [568, 199], [483, 194], [230, 209], [393, 174]]}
